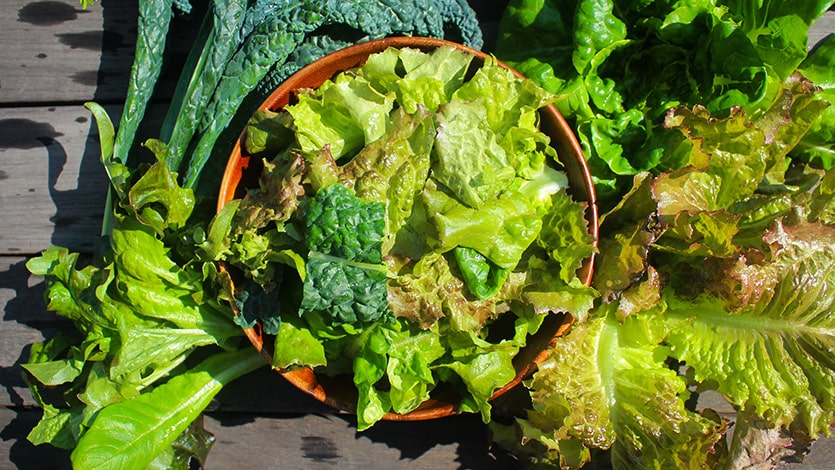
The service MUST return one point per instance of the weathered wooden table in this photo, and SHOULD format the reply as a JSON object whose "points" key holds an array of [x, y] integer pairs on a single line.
{"points": [[54, 57]]}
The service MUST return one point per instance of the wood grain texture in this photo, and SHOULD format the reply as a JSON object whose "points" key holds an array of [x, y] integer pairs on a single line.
{"points": [[312, 441], [56, 45], [56, 51], [53, 186]]}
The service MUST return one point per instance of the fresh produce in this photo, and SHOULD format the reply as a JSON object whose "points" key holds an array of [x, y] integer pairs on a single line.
{"points": [[715, 271], [709, 131], [156, 338], [403, 208], [621, 67]]}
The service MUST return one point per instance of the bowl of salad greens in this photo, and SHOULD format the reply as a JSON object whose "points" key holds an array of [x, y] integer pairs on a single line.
{"points": [[411, 224]]}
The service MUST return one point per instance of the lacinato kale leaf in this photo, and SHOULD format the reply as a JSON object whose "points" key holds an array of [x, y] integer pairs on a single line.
{"points": [[345, 279], [270, 43]]}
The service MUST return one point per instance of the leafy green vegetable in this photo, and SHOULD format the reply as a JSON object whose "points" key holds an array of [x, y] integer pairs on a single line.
{"points": [[483, 278], [131, 433], [596, 55], [269, 43], [816, 146], [775, 313], [345, 278], [636, 401], [152, 29], [141, 314], [224, 20]]}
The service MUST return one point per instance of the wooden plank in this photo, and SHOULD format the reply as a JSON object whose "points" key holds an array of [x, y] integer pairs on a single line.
{"points": [[299, 441], [316, 441], [823, 27], [319, 442], [53, 185], [55, 51]]}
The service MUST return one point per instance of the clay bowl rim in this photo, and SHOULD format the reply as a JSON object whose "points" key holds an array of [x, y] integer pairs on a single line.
{"points": [[443, 403]]}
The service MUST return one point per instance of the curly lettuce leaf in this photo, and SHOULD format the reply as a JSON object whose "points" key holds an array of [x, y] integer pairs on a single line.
{"points": [[296, 345], [393, 169], [546, 292], [510, 103], [411, 353], [470, 162], [595, 56], [483, 367], [618, 394], [822, 207], [763, 331], [627, 234], [501, 230], [417, 78], [730, 162], [267, 132], [342, 115], [428, 291], [565, 234]]}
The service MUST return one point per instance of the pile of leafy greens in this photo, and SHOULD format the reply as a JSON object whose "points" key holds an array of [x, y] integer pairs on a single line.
{"points": [[405, 207], [709, 128], [155, 338], [709, 131]]}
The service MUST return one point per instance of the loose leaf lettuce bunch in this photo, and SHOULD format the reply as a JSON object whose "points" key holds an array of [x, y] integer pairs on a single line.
{"points": [[716, 266], [404, 207], [153, 346], [621, 65]]}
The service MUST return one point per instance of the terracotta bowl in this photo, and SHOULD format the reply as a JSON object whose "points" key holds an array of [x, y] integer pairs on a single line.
{"points": [[242, 172]]}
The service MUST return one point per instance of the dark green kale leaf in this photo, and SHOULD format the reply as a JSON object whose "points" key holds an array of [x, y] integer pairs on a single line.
{"points": [[345, 278], [255, 304]]}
